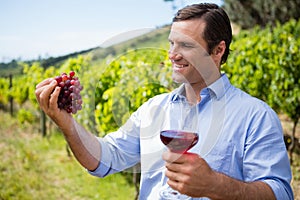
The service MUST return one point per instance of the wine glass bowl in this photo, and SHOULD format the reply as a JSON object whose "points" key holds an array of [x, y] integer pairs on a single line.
{"points": [[179, 141]]}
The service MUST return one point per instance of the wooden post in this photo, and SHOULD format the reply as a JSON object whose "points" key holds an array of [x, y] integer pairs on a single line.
{"points": [[11, 101], [43, 123]]}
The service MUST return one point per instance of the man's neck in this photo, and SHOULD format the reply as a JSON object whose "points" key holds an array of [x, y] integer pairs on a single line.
{"points": [[192, 91]]}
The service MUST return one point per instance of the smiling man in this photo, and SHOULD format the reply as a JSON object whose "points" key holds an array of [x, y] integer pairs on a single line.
{"points": [[241, 153]]}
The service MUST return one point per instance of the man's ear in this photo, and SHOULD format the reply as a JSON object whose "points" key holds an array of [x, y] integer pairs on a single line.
{"points": [[218, 52], [220, 49]]}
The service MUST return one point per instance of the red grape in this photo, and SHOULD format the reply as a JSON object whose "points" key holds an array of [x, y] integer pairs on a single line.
{"points": [[72, 73], [58, 79], [64, 77], [69, 98]]}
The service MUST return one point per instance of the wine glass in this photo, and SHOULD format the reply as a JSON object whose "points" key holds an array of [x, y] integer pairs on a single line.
{"points": [[179, 135]]}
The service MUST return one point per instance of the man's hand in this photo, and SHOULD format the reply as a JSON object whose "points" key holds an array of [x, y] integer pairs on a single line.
{"points": [[189, 173], [47, 95]]}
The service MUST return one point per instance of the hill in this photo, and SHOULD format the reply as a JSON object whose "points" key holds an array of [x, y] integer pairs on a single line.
{"points": [[156, 38]]}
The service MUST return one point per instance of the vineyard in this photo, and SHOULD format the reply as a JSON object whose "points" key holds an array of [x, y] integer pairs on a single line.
{"points": [[263, 62]]}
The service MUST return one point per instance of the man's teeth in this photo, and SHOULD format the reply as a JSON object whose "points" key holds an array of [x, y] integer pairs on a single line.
{"points": [[180, 66]]}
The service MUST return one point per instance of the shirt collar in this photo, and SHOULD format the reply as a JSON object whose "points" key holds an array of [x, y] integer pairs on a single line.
{"points": [[217, 89], [178, 94]]}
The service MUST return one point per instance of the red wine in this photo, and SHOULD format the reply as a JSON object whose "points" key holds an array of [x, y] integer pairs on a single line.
{"points": [[179, 141]]}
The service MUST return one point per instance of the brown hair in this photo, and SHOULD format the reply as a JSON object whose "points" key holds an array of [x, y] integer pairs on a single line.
{"points": [[217, 27]]}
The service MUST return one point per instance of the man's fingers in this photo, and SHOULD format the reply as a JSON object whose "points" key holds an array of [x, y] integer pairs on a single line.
{"points": [[44, 82], [43, 94], [54, 97], [41, 87], [171, 157]]}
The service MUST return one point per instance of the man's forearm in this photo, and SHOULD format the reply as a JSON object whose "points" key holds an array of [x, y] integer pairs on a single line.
{"points": [[83, 144], [229, 188]]}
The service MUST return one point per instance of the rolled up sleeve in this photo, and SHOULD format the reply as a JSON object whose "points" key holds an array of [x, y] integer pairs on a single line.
{"points": [[266, 158]]}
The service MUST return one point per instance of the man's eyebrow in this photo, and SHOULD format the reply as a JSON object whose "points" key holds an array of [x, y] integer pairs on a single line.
{"points": [[181, 41]]}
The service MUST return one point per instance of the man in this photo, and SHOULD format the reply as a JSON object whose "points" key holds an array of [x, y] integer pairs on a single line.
{"points": [[241, 154]]}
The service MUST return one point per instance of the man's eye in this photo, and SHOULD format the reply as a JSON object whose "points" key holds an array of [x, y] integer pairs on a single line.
{"points": [[186, 45]]}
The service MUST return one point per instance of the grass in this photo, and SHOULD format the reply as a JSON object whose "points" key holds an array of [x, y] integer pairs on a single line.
{"points": [[33, 167]]}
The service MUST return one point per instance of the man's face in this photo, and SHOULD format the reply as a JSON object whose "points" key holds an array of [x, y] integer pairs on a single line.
{"points": [[188, 53]]}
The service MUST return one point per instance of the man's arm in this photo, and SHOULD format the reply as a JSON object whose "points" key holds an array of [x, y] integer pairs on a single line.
{"points": [[83, 144], [229, 188], [191, 175]]}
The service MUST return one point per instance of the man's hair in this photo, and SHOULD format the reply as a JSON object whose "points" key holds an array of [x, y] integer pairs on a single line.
{"points": [[217, 27]]}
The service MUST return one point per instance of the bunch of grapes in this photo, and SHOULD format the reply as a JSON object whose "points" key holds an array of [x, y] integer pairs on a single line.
{"points": [[69, 97]]}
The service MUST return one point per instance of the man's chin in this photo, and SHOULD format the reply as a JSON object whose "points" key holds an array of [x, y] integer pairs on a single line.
{"points": [[179, 78]]}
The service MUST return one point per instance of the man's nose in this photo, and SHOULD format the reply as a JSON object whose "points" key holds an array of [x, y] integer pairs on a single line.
{"points": [[174, 54]]}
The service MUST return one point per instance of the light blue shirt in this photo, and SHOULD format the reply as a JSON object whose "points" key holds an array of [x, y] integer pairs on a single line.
{"points": [[240, 136]]}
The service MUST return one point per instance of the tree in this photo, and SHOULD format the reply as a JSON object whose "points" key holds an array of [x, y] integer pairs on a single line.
{"points": [[248, 13], [174, 6]]}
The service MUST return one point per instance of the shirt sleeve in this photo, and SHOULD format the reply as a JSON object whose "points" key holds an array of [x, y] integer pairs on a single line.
{"points": [[121, 149], [265, 157]]}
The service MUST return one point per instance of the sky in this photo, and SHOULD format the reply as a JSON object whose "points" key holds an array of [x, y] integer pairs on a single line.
{"points": [[30, 29]]}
